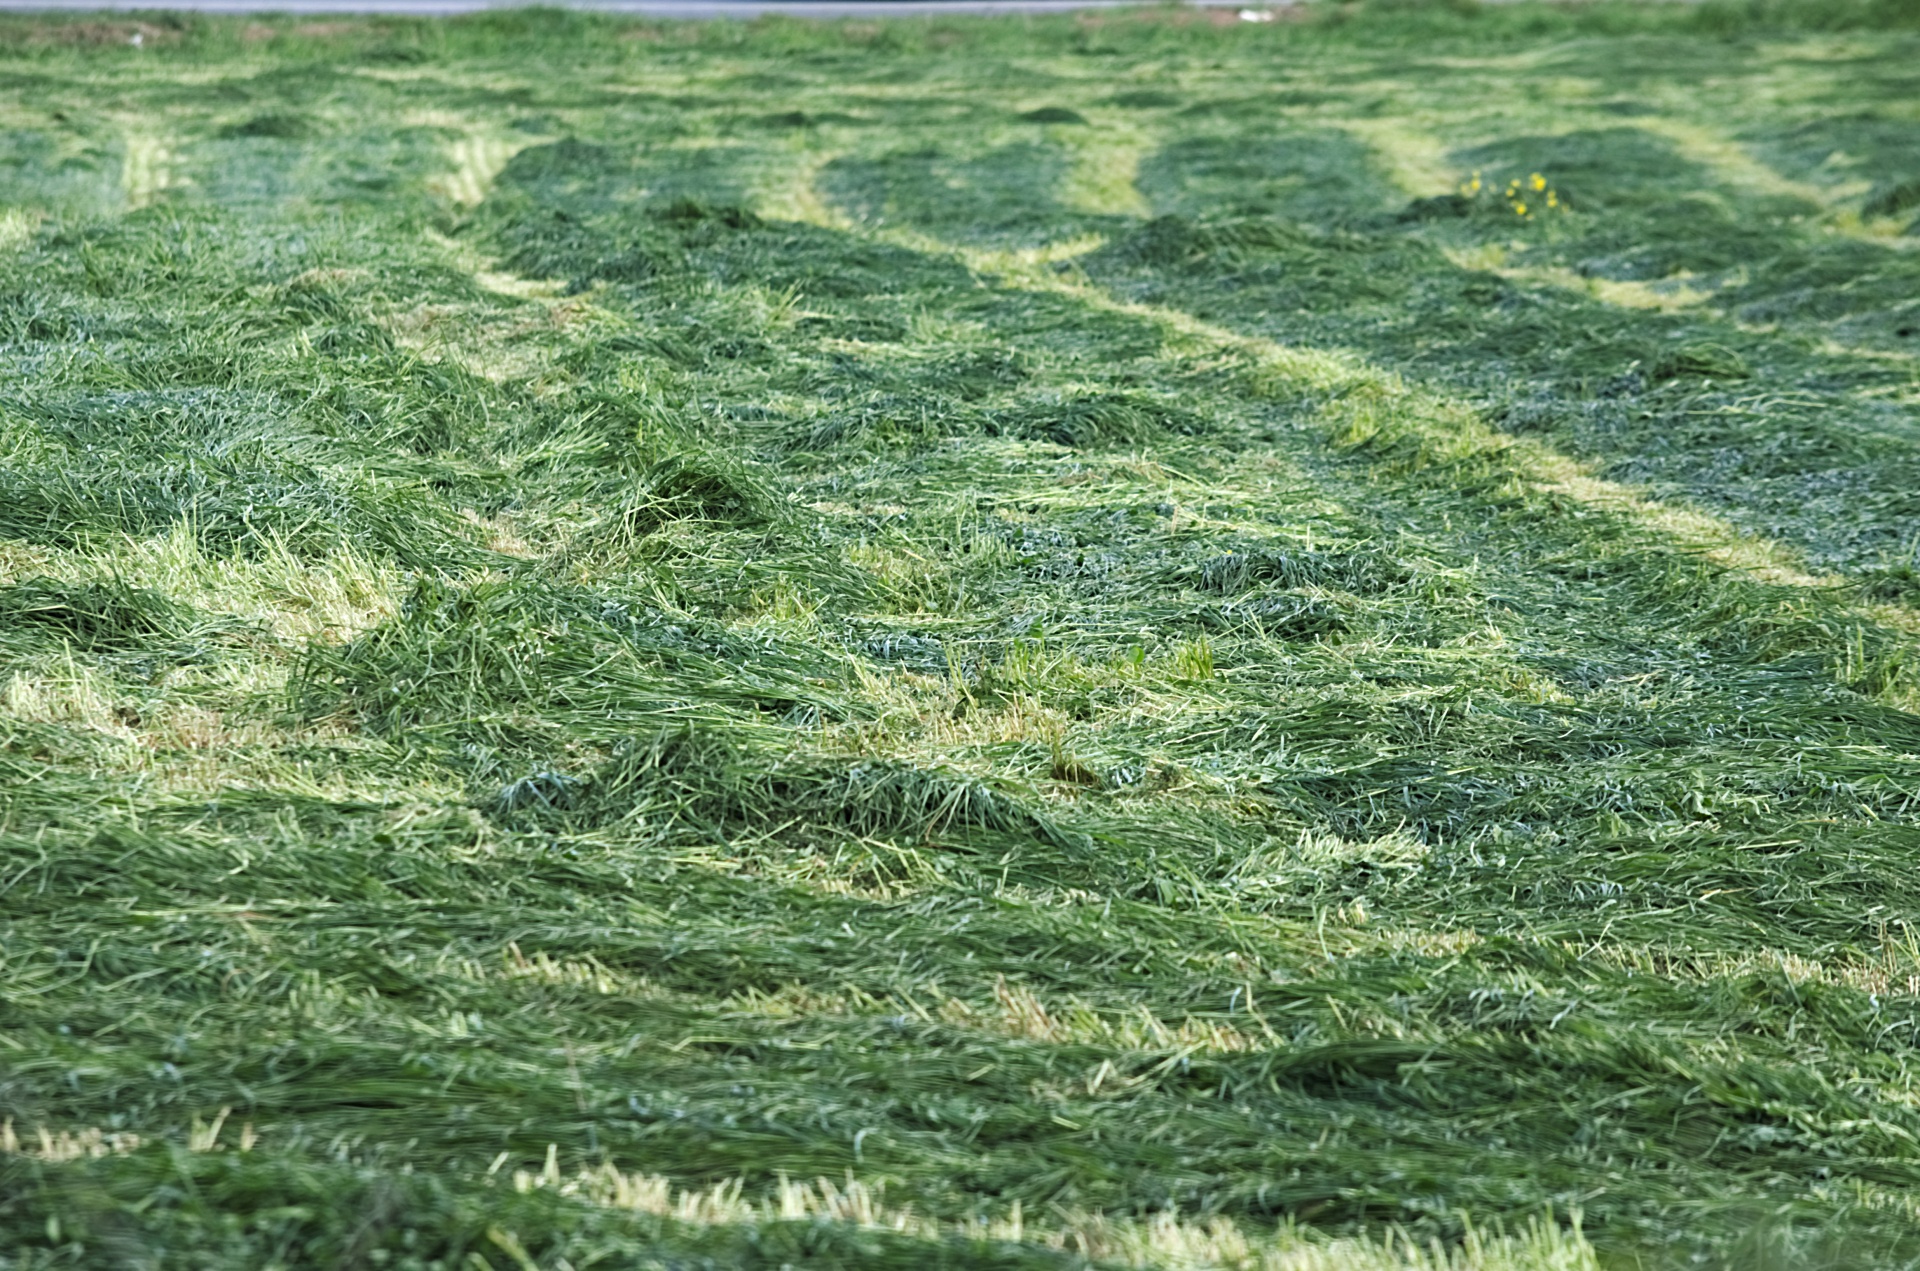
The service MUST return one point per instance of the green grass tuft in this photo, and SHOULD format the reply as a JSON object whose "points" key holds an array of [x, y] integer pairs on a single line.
{"points": [[1024, 643]]}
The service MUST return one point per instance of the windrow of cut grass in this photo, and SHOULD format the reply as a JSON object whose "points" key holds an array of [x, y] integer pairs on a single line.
{"points": [[976, 644]]}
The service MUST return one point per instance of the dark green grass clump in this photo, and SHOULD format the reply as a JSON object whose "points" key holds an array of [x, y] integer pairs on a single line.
{"points": [[99, 615], [963, 644], [705, 778], [512, 664]]}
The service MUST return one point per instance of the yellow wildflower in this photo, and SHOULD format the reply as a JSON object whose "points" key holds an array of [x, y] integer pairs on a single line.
{"points": [[1520, 209], [1537, 181]]}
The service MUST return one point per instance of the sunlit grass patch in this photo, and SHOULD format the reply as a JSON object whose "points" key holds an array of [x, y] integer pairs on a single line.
{"points": [[1162, 1241]]}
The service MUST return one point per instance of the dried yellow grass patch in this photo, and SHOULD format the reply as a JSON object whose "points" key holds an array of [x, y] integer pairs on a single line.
{"points": [[1166, 1240], [145, 169], [477, 159], [1106, 164]]}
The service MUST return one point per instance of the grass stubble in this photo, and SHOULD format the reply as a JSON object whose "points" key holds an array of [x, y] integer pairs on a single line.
{"points": [[957, 643]]}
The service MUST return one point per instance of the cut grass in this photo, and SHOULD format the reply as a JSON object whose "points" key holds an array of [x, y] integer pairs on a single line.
{"points": [[960, 643]]}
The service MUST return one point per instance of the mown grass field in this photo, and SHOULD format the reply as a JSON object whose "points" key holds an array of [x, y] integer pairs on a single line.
{"points": [[989, 644]]}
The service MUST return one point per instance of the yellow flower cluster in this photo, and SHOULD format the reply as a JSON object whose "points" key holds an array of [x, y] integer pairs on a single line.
{"points": [[1524, 196]]}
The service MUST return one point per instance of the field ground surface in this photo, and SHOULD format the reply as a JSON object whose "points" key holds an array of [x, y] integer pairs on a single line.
{"points": [[1081, 642], [670, 9]]}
